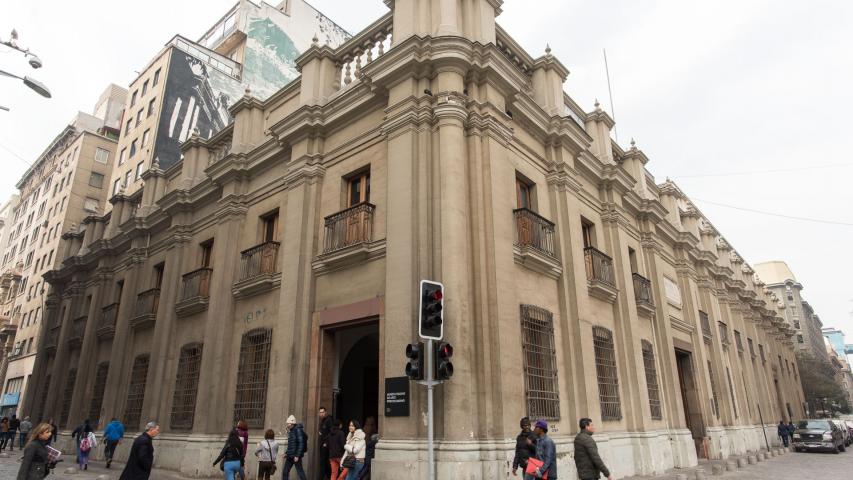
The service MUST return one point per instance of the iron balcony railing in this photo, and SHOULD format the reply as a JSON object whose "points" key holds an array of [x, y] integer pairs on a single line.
{"points": [[147, 303], [599, 267], [259, 260], [349, 227], [643, 290], [196, 284], [533, 230], [109, 314], [78, 328], [52, 338]]}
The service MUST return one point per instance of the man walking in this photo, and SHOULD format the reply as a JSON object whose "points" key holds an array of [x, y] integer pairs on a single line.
{"points": [[546, 452], [325, 431], [112, 437], [525, 447], [297, 441], [587, 460], [141, 458], [782, 431], [14, 425], [26, 426]]}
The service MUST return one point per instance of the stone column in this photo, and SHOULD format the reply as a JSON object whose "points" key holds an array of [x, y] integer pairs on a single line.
{"points": [[40, 366], [56, 393], [88, 353]]}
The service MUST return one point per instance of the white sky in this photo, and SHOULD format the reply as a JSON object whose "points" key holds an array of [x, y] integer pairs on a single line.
{"points": [[704, 87]]}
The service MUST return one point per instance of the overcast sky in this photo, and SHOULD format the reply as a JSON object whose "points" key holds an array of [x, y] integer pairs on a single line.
{"points": [[706, 88]]}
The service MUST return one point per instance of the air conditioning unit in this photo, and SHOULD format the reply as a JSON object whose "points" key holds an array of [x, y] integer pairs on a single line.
{"points": [[44, 224]]}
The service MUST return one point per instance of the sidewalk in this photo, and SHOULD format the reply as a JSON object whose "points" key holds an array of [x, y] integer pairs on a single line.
{"points": [[10, 465]]}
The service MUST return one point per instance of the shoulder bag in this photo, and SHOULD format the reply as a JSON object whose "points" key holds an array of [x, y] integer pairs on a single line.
{"points": [[272, 458]]}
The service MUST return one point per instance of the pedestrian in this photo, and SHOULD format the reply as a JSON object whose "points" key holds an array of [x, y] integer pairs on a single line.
{"points": [[4, 433], [87, 444], [791, 429], [324, 430], [54, 431], [782, 431], [243, 433], [337, 439], [14, 425], [525, 447], [353, 461], [297, 445], [112, 438], [26, 426], [231, 455], [587, 461], [78, 434], [141, 457], [267, 452], [371, 438], [546, 452], [36, 464]]}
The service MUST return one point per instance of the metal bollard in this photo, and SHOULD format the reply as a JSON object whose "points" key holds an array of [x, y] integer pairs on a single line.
{"points": [[752, 459], [741, 462]]}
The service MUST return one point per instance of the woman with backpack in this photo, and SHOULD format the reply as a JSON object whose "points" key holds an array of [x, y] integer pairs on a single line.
{"points": [[267, 452], [86, 441], [231, 456]]}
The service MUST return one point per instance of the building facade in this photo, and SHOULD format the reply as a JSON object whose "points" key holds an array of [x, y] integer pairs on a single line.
{"points": [[273, 269], [66, 185]]}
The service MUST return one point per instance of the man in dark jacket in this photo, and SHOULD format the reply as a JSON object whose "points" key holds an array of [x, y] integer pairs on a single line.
{"points": [[14, 424], [782, 431], [297, 443], [525, 447], [587, 460], [324, 431], [141, 458], [546, 451]]}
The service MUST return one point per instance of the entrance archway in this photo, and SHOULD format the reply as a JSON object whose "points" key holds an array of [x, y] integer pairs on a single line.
{"points": [[357, 394]]}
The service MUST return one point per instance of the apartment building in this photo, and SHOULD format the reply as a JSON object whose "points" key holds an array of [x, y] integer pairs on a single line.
{"points": [[189, 87], [274, 268], [66, 185], [7, 282]]}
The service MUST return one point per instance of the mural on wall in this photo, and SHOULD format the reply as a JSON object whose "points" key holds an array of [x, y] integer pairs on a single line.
{"points": [[196, 96]]}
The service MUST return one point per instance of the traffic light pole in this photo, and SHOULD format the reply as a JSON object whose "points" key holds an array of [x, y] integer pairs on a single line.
{"points": [[430, 384]]}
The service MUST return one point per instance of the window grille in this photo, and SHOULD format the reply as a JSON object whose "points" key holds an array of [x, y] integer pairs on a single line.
{"points": [[66, 397], [252, 375], [136, 392], [715, 406], [605, 367], [731, 391], [540, 363], [706, 326], [651, 380], [186, 387], [98, 392]]}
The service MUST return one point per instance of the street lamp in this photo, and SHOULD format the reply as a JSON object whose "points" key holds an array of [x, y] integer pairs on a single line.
{"points": [[35, 61], [34, 84]]}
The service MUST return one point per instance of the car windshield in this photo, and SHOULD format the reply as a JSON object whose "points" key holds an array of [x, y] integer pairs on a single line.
{"points": [[814, 425]]}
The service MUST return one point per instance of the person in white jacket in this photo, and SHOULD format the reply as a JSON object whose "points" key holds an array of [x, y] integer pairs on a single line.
{"points": [[355, 447]]}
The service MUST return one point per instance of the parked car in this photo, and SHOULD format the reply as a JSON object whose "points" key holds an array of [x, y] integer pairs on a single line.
{"points": [[819, 434], [845, 434], [849, 426]]}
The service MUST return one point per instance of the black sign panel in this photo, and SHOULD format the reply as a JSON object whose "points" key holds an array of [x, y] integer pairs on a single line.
{"points": [[397, 397]]}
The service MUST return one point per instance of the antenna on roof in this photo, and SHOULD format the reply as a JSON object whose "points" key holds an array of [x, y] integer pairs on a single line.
{"points": [[610, 92]]}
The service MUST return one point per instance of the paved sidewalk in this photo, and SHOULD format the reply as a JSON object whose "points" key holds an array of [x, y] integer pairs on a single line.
{"points": [[9, 470]]}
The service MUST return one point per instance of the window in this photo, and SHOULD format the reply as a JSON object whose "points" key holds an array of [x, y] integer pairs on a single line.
{"points": [[522, 194], [90, 204], [651, 380], [144, 88], [358, 189], [139, 116], [632, 259], [145, 137], [186, 387], [731, 391], [122, 156], [133, 98], [98, 392], [738, 342], [158, 274], [206, 253], [156, 78], [761, 353], [751, 347], [151, 107], [14, 385], [252, 376], [608, 380], [706, 326], [269, 227], [133, 147], [127, 127], [128, 178], [800, 339], [96, 180], [136, 392], [101, 155], [588, 232], [724, 333], [715, 406], [140, 167], [540, 363], [116, 185], [797, 324], [66, 397]]}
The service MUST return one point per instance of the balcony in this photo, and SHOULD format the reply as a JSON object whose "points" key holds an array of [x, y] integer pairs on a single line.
{"points": [[534, 243], [78, 329], [599, 274], [52, 339], [258, 270], [643, 295], [145, 311], [195, 292], [107, 324], [348, 239], [724, 334]]}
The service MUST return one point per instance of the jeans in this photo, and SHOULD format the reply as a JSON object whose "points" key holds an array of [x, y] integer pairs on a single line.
{"points": [[784, 440], [110, 448], [288, 464], [232, 468], [23, 440], [354, 471]]}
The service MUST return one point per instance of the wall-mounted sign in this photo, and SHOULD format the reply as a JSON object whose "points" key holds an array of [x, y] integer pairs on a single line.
{"points": [[10, 399], [397, 397]]}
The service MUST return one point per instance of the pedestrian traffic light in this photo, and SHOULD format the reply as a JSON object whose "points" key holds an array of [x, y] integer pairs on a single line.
{"points": [[431, 315], [441, 357], [415, 367]]}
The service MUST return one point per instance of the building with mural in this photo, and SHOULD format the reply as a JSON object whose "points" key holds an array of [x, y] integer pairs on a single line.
{"points": [[273, 268]]}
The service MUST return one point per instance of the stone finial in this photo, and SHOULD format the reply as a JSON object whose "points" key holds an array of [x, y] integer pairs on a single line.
{"points": [[633, 144], [248, 91], [597, 105], [196, 133], [315, 41], [155, 163], [547, 49]]}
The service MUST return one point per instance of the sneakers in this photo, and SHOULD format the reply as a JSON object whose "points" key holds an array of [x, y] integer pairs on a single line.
{"points": [[108, 462]]}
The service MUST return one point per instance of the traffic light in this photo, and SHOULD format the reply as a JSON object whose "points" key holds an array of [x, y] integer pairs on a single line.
{"points": [[441, 356], [431, 315], [415, 367]]}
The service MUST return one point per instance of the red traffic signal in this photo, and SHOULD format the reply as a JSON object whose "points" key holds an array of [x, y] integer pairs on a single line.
{"points": [[431, 311], [442, 354]]}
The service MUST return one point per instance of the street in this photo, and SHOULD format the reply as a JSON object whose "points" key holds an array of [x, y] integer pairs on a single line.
{"points": [[9, 470]]}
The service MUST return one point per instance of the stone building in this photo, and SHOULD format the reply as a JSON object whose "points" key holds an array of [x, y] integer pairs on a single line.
{"points": [[273, 269], [66, 185]]}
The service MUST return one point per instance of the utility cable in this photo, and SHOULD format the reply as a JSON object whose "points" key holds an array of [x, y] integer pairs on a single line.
{"points": [[754, 172], [772, 214], [4, 147]]}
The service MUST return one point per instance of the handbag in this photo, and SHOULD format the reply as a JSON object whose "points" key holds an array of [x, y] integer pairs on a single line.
{"points": [[348, 461], [534, 464], [273, 466]]}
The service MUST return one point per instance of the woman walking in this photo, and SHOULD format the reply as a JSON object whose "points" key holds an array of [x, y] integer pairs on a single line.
{"points": [[336, 441], [243, 433], [80, 433], [231, 456], [88, 443], [353, 462], [267, 452], [4, 433], [36, 464]]}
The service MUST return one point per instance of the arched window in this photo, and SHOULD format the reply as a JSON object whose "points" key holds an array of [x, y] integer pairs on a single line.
{"points": [[66, 397], [136, 391], [186, 387], [608, 379], [98, 392], [651, 379], [252, 375]]}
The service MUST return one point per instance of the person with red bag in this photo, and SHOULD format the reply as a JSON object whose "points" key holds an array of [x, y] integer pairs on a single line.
{"points": [[544, 466]]}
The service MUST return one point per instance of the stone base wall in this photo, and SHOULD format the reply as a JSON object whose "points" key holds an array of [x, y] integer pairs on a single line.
{"points": [[738, 440]]}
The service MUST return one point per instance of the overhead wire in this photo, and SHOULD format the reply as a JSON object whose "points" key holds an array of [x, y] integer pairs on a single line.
{"points": [[755, 172], [773, 214]]}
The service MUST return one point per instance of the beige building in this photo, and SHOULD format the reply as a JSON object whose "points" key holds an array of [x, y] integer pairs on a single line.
{"points": [[66, 185], [274, 269]]}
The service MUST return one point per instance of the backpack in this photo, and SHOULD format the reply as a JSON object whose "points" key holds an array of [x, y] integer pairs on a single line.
{"points": [[305, 440], [85, 445]]}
